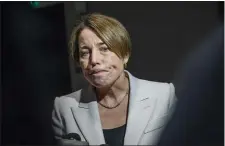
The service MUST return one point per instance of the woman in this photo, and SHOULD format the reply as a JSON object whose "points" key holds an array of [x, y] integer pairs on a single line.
{"points": [[117, 108]]}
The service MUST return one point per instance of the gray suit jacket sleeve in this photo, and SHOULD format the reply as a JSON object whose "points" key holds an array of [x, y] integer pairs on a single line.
{"points": [[57, 121], [58, 128]]}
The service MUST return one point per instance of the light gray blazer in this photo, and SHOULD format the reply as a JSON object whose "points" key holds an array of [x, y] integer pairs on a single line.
{"points": [[150, 106]]}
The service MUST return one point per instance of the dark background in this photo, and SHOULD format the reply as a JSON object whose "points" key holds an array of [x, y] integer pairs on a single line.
{"points": [[36, 67]]}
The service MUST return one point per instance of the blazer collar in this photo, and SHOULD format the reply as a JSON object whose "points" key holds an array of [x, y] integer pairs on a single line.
{"points": [[88, 118], [139, 111]]}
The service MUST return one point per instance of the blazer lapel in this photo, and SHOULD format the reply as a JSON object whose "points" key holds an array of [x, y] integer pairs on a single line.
{"points": [[139, 112], [88, 119]]}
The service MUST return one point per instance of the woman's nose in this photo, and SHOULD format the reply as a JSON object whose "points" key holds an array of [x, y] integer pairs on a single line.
{"points": [[95, 58]]}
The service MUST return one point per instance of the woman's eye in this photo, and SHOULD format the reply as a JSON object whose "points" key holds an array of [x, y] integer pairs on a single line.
{"points": [[83, 54], [104, 49]]}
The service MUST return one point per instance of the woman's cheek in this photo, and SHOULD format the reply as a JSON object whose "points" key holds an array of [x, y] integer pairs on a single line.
{"points": [[83, 64]]}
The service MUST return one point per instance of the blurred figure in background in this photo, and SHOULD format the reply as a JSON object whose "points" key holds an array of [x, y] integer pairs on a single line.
{"points": [[199, 116]]}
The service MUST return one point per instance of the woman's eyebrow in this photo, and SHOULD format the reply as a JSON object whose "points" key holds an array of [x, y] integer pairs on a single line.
{"points": [[100, 43], [84, 47]]}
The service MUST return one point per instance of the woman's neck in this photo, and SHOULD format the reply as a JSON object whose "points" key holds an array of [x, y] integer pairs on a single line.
{"points": [[115, 91]]}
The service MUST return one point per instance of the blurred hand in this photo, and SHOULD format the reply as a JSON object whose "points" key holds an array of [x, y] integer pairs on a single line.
{"points": [[68, 142]]}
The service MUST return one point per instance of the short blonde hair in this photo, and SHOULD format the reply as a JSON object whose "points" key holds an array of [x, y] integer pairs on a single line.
{"points": [[108, 29]]}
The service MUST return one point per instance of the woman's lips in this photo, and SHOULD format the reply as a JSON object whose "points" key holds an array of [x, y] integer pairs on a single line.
{"points": [[98, 72]]}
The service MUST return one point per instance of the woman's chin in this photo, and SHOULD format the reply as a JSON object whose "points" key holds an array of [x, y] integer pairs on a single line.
{"points": [[99, 84]]}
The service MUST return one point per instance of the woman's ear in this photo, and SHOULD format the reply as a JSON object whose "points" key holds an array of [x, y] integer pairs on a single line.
{"points": [[125, 60], [78, 63], [78, 67]]}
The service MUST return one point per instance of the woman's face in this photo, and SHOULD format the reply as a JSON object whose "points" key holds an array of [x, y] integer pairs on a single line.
{"points": [[100, 66]]}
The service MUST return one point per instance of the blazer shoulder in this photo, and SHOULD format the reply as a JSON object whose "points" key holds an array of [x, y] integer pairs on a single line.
{"points": [[161, 92], [164, 92], [157, 87], [69, 100]]}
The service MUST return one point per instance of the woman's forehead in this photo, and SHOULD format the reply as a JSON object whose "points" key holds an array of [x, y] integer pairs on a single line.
{"points": [[87, 36]]}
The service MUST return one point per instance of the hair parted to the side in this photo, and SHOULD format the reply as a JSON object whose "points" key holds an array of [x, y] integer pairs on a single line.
{"points": [[108, 29]]}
